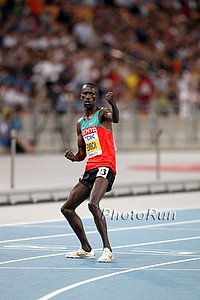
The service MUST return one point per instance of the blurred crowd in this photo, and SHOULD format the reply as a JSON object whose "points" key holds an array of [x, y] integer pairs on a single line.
{"points": [[147, 52]]}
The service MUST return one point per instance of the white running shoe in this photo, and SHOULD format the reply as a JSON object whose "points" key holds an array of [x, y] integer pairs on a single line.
{"points": [[106, 256], [80, 254]]}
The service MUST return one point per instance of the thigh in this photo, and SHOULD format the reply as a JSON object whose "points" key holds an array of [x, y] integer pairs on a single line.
{"points": [[99, 188], [77, 195]]}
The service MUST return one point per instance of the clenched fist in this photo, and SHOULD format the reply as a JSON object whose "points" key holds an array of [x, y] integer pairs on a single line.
{"points": [[69, 155], [110, 97]]}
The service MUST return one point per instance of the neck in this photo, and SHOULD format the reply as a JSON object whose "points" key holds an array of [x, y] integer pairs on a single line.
{"points": [[89, 112]]}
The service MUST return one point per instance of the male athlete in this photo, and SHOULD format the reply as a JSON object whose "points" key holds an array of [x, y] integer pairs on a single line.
{"points": [[95, 140]]}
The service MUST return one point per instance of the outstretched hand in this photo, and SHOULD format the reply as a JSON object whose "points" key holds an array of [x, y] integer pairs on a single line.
{"points": [[110, 98], [69, 155]]}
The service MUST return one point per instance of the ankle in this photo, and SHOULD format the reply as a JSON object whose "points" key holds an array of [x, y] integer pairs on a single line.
{"points": [[86, 248], [107, 247]]}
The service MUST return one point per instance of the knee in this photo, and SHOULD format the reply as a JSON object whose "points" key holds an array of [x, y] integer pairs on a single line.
{"points": [[62, 210], [93, 208], [66, 211]]}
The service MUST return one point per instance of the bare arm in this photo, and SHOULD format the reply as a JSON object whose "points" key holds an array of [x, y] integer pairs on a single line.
{"points": [[113, 114], [81, 153]]}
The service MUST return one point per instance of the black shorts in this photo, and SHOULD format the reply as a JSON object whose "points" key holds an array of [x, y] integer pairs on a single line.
{"points": [[90, 176]]}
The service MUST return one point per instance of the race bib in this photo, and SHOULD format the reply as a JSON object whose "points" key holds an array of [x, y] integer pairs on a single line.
{"points": [[102, 172], [93, 147]]}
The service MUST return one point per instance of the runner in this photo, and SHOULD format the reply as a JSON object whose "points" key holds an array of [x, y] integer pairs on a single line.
{"points": [[95, 140]]}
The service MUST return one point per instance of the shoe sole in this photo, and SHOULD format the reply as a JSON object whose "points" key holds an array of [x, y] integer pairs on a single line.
{"points": [[80, 257], [105, 261]]}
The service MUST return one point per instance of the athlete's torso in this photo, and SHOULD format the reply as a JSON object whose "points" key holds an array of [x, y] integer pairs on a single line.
{"points": [[100, 148]]}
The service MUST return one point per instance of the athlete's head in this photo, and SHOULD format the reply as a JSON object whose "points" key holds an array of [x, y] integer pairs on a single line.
{"points": [[90, 95]]}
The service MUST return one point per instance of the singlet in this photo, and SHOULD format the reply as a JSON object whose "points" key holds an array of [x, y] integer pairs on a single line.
{"points": [[100, 147]]}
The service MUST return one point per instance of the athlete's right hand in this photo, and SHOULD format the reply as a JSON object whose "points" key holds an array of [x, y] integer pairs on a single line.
{"points": [[70, 155]]}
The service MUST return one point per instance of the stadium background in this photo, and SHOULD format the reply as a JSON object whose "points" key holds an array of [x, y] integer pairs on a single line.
{"points": [[147, 52]]}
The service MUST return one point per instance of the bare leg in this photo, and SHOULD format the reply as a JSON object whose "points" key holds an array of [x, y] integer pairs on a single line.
{"points": [[79, 194], [97, 193]]}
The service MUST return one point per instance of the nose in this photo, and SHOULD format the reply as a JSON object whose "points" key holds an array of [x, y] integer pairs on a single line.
{"points": [[87, 96]]}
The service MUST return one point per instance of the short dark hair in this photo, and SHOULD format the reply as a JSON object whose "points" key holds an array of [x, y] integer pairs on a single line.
{"points": [[92, 84]]}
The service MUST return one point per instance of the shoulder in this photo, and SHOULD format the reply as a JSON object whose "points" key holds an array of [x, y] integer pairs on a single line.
{"points": [[80, 120], [78, 125]]}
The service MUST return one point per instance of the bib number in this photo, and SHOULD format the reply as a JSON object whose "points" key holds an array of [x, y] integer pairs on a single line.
{"points": [[93, 147], [102, 172]]}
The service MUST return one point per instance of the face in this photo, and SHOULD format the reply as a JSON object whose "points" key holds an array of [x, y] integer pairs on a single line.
{"points": [[89, 95]]}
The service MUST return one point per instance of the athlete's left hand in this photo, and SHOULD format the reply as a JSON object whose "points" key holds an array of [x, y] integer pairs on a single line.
{"points": [[110, 98]]}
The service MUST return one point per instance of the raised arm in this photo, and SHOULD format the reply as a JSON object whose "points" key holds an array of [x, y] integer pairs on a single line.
{"points": [[81, 153], [111, 115]]}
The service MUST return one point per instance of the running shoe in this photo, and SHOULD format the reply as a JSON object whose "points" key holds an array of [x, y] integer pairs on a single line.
{"points": [[106, 256], [80, 254]]}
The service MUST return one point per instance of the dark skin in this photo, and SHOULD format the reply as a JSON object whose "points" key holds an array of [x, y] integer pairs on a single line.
{"points": [[90, 97]]}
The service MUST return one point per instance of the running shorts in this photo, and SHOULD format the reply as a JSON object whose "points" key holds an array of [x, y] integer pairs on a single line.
{"points": [[89, 177]]}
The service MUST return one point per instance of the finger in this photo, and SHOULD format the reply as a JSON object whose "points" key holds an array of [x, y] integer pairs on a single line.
{"points": [[109, 96], [68, 152], [109, 93]]}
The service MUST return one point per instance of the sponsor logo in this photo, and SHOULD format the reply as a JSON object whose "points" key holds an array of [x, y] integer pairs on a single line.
{"points": [[89, 130]]}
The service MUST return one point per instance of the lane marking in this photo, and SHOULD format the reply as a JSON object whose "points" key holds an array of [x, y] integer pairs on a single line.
{"points": [[37, 222], [31, 258], [18, 224], [63, 268], [26, 223], [158, 242], [178, 229], [43, 237], [98, 249], [159, 253], [35, 247], [109, 230], [170, 269], [84, 282], [92, 268], [138, 251]]}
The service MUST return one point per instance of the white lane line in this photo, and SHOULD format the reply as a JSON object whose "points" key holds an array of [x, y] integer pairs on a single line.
{"points": [[38, 222], [177, 229], [80, 283], [158, 242], [109, 230], [31, 258], [34, 247], [151, 253], [170, 269], [43, 237], [62, 268], [90, 269], [115, 247], [27, 223]]}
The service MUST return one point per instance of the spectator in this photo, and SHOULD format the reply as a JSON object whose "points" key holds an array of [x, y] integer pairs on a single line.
{"points": [[13, 120], [23, 145], [55, 43], [5, 128], [144, 91]]}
